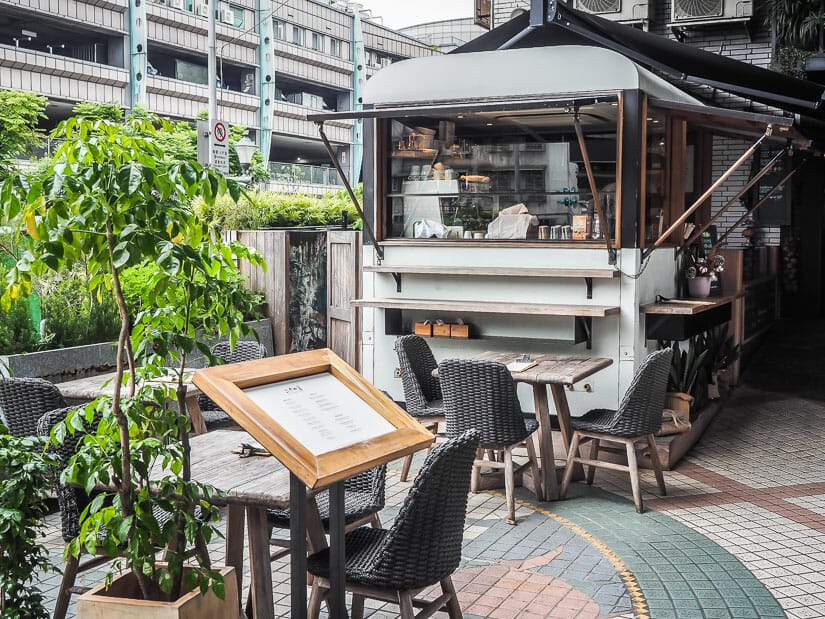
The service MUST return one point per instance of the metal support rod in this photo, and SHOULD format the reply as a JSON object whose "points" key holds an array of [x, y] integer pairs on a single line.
{"points": [[588, 282], [591, 179], [764, 199], [709, 191], [397, 278], [367, 227], [212, 80], [337, 561], [733, 200], [298, 547]]}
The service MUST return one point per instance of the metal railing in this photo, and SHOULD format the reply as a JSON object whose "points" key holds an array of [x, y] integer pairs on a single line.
{"points": [[304, 174]]}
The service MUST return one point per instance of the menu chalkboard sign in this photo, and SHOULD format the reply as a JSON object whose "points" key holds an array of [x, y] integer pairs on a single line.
{"points": [[776, 211]]}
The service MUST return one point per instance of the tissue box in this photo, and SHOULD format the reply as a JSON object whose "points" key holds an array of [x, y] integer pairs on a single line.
{"points": [[441, 330], [460, 331], [424, 328]]}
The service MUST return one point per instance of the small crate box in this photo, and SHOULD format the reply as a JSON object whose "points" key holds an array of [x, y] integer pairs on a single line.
{"points": [[424, 328], [460, 331], [441, 330]]}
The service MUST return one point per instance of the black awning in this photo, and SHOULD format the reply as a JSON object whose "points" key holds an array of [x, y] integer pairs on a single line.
{"points": [[671, 58]]}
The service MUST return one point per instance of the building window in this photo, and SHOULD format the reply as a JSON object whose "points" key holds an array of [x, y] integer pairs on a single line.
{"points": [[317, 42], [297, 35], [335, 48], [278, 27]]}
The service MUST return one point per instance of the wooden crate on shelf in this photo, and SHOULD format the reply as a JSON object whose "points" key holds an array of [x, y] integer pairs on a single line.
{"points": [[424, 329]]}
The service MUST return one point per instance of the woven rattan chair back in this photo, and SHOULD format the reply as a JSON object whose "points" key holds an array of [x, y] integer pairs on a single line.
{"points": [[364, 494], [23, 401], [424, 543], [70, 499], [245, 350], [640, 411], [417, 364], [481, 395]]}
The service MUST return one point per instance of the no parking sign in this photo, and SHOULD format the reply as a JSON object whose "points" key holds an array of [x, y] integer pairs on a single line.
{"points": [[214, 140]]}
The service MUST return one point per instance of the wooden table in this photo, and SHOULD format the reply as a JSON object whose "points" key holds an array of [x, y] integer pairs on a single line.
{"points": [[251, 486], [557, 371], [92, 387]]}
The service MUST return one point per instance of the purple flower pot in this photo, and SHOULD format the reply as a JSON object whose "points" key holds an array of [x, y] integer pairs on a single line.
{"points": [[699, 286]]}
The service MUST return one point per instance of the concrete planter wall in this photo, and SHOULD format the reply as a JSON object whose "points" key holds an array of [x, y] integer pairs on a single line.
{"points": [[65, 364]]}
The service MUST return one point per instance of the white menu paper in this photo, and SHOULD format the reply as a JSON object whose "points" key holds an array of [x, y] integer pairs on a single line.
{"points": [[320, 412]]}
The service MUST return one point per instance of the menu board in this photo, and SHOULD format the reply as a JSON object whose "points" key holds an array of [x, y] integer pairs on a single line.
{"points": [[320, 412], [776, 210]]}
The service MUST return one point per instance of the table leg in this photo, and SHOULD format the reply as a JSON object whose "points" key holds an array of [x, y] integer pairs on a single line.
{"points": [[547, 488], [563, 413], [263, 603], [337, 578], [297, 547], [193, 408], [234, 540]]}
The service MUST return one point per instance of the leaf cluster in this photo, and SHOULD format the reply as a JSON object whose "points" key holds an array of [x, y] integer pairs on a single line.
{"points": [[20, 113], [269, 209], [24, 475]]}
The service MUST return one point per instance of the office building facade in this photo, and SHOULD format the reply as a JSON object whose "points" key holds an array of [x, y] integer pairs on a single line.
{"points": [[277, 61]]}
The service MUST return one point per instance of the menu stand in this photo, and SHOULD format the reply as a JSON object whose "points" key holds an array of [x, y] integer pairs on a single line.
{"points": [[325, 423]]}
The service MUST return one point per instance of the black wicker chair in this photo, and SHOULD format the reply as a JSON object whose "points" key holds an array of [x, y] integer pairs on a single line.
{"points": [[422, 391], [23, 401], [72, 501], [363, 499], [482, 395], [245, 350], [638, 417], [423, 546]]}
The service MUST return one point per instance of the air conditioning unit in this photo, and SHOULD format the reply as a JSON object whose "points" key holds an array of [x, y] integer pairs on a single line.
{"points": [[626, 11], [202, 9], [710, 11], [176, 4], [228, 16]]}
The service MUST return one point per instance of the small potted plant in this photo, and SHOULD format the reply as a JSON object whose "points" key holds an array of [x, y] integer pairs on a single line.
{"points": [[700, 271], [111, 200]]}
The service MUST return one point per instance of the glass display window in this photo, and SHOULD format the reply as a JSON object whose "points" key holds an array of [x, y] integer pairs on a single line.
{"points": [[505, 175]]}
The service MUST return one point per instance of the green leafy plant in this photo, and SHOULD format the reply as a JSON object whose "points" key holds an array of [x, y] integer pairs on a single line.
{"points": [[687, 366], [19, 114], [24, 472], [110, 199], [269, 209]]}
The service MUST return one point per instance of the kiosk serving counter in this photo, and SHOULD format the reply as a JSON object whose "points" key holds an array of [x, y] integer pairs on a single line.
{"points": [[540, 196]]}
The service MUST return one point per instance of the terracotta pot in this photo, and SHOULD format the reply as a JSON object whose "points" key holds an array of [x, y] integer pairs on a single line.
{"points": [[122, 601], [679, 402], [699, 286]]}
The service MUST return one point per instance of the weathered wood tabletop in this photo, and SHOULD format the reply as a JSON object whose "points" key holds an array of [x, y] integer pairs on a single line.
{"points": [[92, 387], [551, 369], [261, 481]]}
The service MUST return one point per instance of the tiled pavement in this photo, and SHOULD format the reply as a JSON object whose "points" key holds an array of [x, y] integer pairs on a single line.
{"points": [[742, 533]]}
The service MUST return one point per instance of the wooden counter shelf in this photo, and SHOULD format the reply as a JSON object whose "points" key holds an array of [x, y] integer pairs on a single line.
{"points": [[685, 306], [460, 271], [680, 319], [489, 307], [582, 314]]}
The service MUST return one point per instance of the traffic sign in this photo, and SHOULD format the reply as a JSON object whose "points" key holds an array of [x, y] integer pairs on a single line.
{"points": [[213, 145]]}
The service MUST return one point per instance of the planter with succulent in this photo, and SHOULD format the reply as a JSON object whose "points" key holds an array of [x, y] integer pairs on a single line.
{"points": [[687, 383], [722, 353], [109, 200]]}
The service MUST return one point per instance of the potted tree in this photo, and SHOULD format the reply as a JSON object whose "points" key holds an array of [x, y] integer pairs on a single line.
{"points": [[687, 384], [111, 200]]}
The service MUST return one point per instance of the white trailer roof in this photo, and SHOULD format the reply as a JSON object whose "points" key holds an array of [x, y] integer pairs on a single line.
{"points": [[553, 72]]}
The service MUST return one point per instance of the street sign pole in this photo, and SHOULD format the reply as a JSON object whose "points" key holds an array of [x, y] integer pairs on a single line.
{"points": [[212, 68]]}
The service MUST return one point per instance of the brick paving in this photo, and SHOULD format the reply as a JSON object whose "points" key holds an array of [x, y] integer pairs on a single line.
{"points": [[741, 534]]}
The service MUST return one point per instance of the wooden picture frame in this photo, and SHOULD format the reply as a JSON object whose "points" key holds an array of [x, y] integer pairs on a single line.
{"points": [[239, 389]]}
